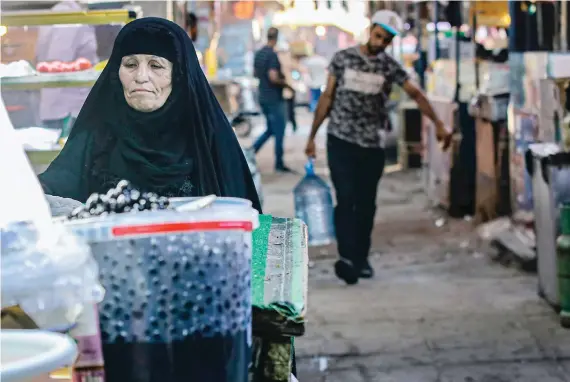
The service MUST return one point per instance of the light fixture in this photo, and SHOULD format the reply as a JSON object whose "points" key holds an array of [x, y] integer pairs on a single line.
{"points": [[3, 30], [320, 31]]}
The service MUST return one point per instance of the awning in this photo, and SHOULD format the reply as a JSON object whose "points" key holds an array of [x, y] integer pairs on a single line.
{"points": [[341, 19]]}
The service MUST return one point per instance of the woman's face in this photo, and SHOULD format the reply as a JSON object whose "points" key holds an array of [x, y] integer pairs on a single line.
{"points": [[146, 80]]}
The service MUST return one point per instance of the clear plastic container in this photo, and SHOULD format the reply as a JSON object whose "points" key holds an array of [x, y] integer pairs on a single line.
{"points": [[178, 305], [51, 280]]}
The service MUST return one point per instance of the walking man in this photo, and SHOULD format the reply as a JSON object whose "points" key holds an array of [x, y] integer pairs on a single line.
{"points": [[355, 99], [288, 65], [271, 84]]}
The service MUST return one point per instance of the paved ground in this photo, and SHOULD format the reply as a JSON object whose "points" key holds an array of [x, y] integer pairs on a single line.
{"points": [[438, 309]]}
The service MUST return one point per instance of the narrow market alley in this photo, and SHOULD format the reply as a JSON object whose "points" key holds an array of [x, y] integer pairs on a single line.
{"points": [[439, 309]]}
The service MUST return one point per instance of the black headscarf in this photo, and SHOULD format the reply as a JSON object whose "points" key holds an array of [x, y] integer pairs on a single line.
{"points": [[185, 148]]}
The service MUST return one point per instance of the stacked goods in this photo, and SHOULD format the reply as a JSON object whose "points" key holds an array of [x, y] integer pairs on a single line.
{"points": [[123, 198], [64, 67]]}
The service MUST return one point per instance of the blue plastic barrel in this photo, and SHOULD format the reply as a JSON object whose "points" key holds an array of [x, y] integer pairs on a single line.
{"points": [[314, 206]]}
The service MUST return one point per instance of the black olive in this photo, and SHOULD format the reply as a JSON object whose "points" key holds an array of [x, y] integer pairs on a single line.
{"points": [[77, 211], [135, 195], [123, 185], [92, 201]]}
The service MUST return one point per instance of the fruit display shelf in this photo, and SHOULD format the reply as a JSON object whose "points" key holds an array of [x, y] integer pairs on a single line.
{"points": [[40, 159], [50, 80], [48, 17]]}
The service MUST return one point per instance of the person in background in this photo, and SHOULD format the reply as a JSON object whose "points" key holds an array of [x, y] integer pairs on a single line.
{"points": [[316, 67], [355, 98], [192, 26], [288, 66], [59, 107], [267, 69]]}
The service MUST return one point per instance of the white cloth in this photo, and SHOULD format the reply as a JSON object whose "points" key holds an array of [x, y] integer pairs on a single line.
{"points": [[65, 43], [21, 197], [317, 70]]}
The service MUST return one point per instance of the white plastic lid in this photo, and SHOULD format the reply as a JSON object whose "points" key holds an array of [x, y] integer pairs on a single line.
{"points": [[28, 354], [223, 214]]}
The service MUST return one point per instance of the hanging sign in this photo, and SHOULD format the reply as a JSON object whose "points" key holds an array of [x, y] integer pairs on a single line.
{"points": [[491, 13]]}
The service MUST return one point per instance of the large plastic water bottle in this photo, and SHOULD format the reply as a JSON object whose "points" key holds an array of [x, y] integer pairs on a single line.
{"points": [[314, 206]]}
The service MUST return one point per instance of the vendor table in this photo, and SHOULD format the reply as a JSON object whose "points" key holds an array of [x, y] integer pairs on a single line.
{"points": [[279, 292]]}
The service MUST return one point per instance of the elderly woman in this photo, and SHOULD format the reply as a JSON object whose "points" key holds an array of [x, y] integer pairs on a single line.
{"points": [[152, 119]]}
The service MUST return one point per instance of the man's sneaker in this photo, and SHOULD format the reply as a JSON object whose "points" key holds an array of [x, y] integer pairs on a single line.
{"points": [[345, 270], [284, 170], [366, 271]]}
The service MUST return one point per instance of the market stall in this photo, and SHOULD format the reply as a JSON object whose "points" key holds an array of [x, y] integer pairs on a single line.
{"points": [[211, 236], [489, 108], [35, 79]]}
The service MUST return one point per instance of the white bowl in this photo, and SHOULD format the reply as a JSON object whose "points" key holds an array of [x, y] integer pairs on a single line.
{"points": [[28, 354]]}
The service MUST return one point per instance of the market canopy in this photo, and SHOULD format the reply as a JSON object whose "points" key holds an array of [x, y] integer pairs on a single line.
{"points": [[305, 14]]}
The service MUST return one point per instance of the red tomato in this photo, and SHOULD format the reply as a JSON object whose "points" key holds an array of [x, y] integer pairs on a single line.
{"points": [[75, 66], [42, 67], [83, 63], [67, 67], [56, 67]]}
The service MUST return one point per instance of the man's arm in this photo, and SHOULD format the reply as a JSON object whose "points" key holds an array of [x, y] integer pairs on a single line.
{"points": [[276, 78], [425, 107], [324, 106], [274, 72], [321, 113]]}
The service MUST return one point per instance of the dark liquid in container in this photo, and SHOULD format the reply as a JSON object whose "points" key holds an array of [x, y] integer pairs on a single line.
{"points": [[196, 359]]}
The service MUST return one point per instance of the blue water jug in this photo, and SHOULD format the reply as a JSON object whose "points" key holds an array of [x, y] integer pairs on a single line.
{"points": [[314, 206]]}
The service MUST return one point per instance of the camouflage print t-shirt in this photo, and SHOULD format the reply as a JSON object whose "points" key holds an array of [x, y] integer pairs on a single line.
{"points": [[363, 85]]}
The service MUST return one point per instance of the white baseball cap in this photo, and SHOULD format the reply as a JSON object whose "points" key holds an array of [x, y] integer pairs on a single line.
{"points": [[388, 20]]}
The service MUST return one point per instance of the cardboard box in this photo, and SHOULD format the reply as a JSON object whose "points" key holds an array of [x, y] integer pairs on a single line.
{"points": [[19, 43]]}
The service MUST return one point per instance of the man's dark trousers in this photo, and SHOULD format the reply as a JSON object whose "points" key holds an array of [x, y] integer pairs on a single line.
{"points": [[275, 115], [355, 173]]}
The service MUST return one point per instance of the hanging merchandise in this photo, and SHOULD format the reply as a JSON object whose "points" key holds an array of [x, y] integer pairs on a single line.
{"points": [[314, 206]]}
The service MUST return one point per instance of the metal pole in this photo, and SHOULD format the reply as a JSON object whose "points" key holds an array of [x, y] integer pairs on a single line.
{"points": [[169, 10], [420, 66], [540, 28], [474, 32], [436, 30], [563, 26], [457, 64], [405, 14], [556, 39]]}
